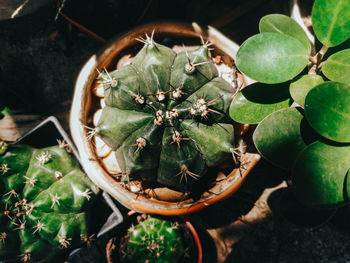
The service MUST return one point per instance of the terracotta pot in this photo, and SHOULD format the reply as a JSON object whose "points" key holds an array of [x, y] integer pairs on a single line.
{"points": [[85, 104], [192, 238]]}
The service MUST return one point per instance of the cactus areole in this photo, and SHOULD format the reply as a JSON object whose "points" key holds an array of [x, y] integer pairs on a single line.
{"points": [[166, 116], [43, 203]]}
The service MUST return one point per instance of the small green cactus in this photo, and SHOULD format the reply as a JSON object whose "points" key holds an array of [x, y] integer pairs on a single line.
{"points": [[166, 115], [155, 241], [43, 202]]}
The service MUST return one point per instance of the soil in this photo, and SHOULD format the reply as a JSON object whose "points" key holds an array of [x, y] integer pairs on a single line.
{"points": [[40, 60]]}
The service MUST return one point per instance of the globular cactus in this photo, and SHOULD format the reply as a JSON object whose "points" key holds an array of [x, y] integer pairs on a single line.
{"points": [[154, 240], [44, 198], [166, 115]]}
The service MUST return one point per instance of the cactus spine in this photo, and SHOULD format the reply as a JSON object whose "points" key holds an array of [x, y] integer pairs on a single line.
{"points": [[155, 240]]}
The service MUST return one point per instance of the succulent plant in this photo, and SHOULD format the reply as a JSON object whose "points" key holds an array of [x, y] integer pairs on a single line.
{"points": [[44, 198], [310, 140], [154, 240], [166, 115]]}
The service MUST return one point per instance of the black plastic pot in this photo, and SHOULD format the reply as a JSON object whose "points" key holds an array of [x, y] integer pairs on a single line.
{"points": [[106, 214]]}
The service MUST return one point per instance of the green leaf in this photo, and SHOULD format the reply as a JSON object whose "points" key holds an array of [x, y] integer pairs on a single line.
{"points": [[299, 87], [285, 25], [319, 174], [279, 137], [331, 21], [327, 109], [258, 100], [272, 57], [337, 67], [6, 111]]}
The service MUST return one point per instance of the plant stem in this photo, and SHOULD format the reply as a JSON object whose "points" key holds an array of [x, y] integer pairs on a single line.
{"points": [[315, 65], [19, 9], [322, 52], [60, 9]]}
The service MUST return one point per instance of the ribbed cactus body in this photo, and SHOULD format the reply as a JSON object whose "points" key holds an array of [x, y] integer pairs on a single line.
{"points": [[43, 203], [155, 241], [166, 116]]}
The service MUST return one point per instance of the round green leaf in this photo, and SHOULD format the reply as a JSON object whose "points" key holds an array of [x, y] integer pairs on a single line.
{"points": [[278, 137], [331, 21], [258, 100], [327, 109], [302, 85], [337, 67], [272, 57], [319, 174], [285, 25]]}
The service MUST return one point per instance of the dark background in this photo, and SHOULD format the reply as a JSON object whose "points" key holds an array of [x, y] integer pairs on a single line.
{"points": [[40, 59]]}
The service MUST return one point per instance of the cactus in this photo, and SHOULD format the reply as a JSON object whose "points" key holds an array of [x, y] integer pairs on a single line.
{"points": [[154, 240], [166, 116], [43, 202]]}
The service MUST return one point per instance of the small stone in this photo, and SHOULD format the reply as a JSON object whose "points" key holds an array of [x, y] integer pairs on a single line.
{"points": [[217, 60], [59, 176]]}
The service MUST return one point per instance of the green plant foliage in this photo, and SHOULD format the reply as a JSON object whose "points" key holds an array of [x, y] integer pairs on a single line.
{"points": [[301, 85], [44, 198], [283, 137], [158, 109], [278, 137], [327, 109], [319, 174], [256, 101], [332, 50], [337, 67], [284, 25], [272, 57], [155, 240], [331, 21], [6, 111]]}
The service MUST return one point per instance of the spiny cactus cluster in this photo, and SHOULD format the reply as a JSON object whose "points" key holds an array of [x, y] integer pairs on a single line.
{"points": [[166, 115], [154, 240], [44, 197]]}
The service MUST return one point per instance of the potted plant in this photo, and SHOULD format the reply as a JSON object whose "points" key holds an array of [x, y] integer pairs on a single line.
{"points": [[45, 200], [301, 100], [142, 97], [146, 238]]}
